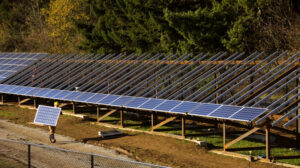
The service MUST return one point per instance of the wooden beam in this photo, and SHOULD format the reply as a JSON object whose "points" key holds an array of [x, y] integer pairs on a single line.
{"points": [[297, 130], [23, 101], [259, 90], [268, 143], [34, 103], [2, 99], [183, 127], [163, 123], [19, 99], [73, 105], [152, 119], [242, 137], [224, 136], [107, 114], [122, 118], [63, 105], [97, 114]]}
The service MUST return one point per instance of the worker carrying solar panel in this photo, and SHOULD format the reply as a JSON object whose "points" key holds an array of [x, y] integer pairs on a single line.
{"points": [[52, 128]]}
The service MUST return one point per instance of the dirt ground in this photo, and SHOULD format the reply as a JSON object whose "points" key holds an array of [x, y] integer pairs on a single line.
{"points": [[143, 147]]}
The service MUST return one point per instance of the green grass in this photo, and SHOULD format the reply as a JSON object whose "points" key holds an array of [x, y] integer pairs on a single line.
{"points": [[7, 114]]}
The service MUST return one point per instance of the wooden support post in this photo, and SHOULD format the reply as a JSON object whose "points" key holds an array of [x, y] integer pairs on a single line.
{"points": [[183, 127], [73, 104], [107, 114], [19, 100], [297, 121], [2, 99], [163, 123], [122, 118], [268, 143], [152, 120], [98, 114], [34, 103], [224, 136]]}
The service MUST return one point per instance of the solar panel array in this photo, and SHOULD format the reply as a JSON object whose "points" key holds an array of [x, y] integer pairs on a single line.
{"points": [[14, 62], [234, 80], [47, 115], [238, 113]]}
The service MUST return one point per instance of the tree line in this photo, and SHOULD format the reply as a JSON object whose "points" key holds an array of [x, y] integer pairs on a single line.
{"points": [[174, 26]]}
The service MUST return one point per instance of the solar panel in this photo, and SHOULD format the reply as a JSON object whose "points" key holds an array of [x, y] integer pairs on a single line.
{"points": [[16, 89], [108, 99], [121, 100], [43, 92], [185, 107], [9, 88], [97, 97], [204, 109], [47, 115], [151, 104], [83, 97], [136, 102], [25, 90], [33, 91], [167, 105], [62, 94], [2, 87], [72, 96], [248, 114], [52, 93], [225, 111]]}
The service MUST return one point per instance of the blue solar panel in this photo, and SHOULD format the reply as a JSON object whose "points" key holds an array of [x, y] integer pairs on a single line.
{"points": [[108, 99], [136, 102], [83, 97], [43, 92], [24, 90], [225, 111], [9, 88], [248, 114], [2, 87], [72, 96], [16, 89], [184, 107], [33, 91], [167, 105], [151, 104], [204, 109], [122, 100], [47, 115], [62, 94], [97, 97], [52, 93]]}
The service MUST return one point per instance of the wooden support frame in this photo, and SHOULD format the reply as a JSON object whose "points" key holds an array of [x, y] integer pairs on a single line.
{"points": [[240, 137], [268, 148], [183, 127], [105, 115], [2, 99], [122, 118], [63, 105], [35, 103], [297, 130], [163, 123], [73, 108], [224, 136], [97, 113], [22, 101]]}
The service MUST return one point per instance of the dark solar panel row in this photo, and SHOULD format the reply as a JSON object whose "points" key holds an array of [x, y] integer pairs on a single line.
{"points": [[13, 62], [230, 112]]}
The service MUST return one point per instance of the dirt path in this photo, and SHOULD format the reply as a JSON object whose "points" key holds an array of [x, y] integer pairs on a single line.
{"points": [[45, 157]]}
